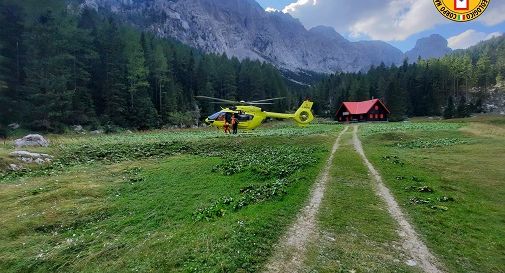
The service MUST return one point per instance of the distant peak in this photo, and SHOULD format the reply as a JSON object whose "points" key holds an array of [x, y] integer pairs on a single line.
{"points": [[436, 36], [328, 32], [432, 40], [433, 46]]}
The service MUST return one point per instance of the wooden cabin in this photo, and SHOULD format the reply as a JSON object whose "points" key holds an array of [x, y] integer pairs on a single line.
{"points": [[370, 110]]}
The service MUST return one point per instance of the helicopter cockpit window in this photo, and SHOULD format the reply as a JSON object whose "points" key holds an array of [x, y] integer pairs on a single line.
{"points": [[217, 116]]}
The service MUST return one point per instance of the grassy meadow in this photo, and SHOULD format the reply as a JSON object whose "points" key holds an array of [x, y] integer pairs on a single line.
{"points": [[199, 201], [449, 178], [174, 202]]}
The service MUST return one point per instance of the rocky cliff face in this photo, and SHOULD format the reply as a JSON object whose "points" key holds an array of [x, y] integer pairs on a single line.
{"points": [[243, 29], [434, 46]]}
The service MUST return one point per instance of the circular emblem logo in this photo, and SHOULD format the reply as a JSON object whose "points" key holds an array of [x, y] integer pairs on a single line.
{"points": [[461, 10]]}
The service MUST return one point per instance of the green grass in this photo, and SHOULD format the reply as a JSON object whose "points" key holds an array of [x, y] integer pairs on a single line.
{"points": [[356, 232], [462, 220], [127, 202], [273, 130], [136, 213]]}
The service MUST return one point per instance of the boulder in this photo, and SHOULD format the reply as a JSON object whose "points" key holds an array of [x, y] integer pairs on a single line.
{"points": [[28, 160], [39, 161], [78, 128], [14, 126], [28, 157], [14, 167], [31, 140], [97, 132]]}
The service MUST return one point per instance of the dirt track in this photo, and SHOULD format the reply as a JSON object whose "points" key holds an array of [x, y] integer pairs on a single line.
{"points": [[411, 242], [290, 253]]}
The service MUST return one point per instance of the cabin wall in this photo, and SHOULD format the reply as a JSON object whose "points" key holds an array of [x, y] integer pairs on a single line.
{"points": [[376, 113]]}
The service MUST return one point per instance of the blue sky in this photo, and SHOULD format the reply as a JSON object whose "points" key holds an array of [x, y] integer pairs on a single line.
{"points": [[278, 4], [401, 25]]}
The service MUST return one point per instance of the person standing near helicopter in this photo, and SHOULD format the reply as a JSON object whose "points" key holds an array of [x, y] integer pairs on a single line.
{"points": [[227, 121], [234, 123]]}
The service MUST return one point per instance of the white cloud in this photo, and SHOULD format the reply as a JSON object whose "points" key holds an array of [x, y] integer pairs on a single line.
{"points": [[300, 3], [270, 9], [495, 13], [387, 20], [398, 20], [470, 38]]}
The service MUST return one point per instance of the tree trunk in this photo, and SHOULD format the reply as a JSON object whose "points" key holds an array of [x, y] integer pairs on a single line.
{"points": [[160, 97]]}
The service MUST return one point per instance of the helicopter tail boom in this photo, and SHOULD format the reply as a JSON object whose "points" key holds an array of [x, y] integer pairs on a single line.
{"points": [[279, 115], [302, 117]]}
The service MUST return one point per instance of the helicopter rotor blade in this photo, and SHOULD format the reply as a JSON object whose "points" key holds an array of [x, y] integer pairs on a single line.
{"points": [[259, 103], [227, 103], [216, 99], [245, 103], [268, 100]]}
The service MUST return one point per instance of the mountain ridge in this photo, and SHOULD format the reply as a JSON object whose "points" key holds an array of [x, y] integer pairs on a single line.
{"points": [[241, 28]]}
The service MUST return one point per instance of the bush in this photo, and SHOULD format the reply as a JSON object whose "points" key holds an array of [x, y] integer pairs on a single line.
{"points": [[182, 119], [4, 133]]}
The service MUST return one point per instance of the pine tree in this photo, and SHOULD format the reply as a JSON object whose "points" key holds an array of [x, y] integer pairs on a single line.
{"points": [[49, 74], [228, 84], [112, 75], [83, 55], [484, 76], [257, 83], [449, 111], [160, 75], [12, 61], [396, 98], [141, 109], [462, 110]]}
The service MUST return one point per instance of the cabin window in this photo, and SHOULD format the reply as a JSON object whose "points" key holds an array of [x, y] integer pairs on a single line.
{"points": [[376, 116], [245, 117], [371, 116], [382, 116], [377, 107]]}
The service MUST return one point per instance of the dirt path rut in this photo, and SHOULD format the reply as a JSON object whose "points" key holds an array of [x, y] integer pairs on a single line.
{"points": [[411, 242], [290, 253]]}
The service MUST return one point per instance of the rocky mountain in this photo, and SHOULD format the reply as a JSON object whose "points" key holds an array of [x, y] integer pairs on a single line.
{"points": [[241, 28], [434, 46]]}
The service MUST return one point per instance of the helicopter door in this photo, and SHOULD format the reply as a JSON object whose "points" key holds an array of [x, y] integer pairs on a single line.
{"points": [[245, 118], [227, 117]]}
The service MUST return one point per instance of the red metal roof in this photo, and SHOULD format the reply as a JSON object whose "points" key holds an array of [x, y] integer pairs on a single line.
{"points": [[362, 107]]}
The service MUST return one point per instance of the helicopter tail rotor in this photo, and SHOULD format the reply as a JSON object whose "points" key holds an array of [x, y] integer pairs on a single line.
{"points": [[303, 115]]}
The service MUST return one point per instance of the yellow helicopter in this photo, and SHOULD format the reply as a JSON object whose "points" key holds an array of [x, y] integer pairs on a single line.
{"points": [[250, 116]]}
